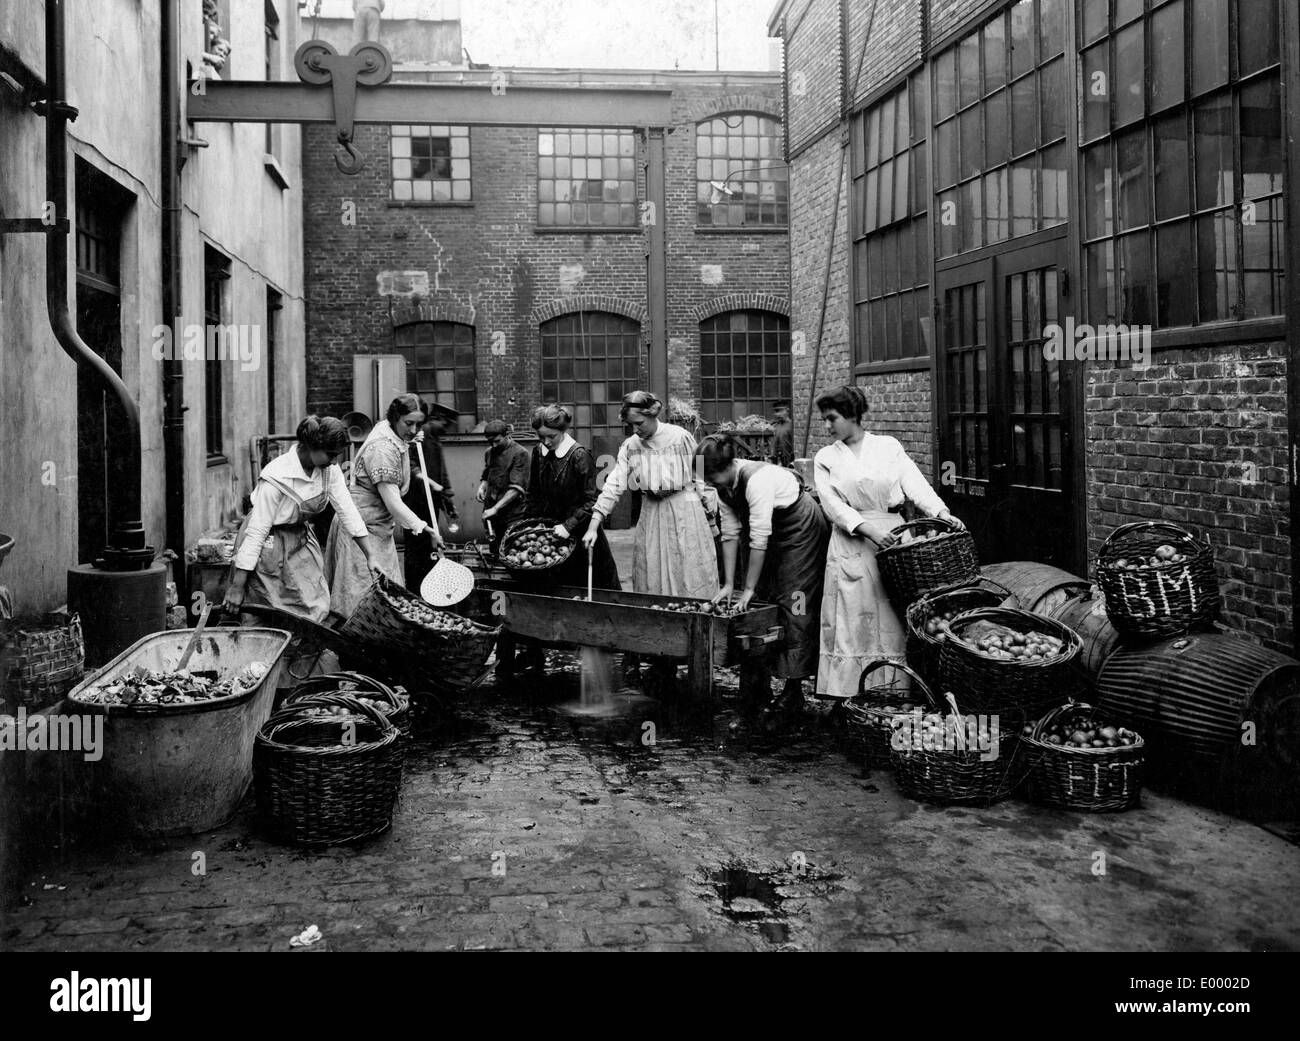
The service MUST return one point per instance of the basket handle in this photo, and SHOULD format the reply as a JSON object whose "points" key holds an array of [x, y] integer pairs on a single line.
{"points": [[1054, 715], [1179, 532], [924, 522], [876, 663], [292, 710]]}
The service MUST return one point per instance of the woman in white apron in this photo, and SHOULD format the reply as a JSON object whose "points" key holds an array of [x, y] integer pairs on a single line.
{"points": [[674, 554], [860, 478], [278, 561], [381, 475]]}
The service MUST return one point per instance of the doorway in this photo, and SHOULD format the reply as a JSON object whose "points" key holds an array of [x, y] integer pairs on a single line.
{"points": [[1008, 418]]}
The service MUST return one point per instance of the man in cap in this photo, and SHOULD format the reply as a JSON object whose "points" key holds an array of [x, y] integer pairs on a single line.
{"points": [[418, 557], [505, 478], [783, 438]]}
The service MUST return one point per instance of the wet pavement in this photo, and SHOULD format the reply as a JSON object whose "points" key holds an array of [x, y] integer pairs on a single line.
{"points": [[522, 827]]}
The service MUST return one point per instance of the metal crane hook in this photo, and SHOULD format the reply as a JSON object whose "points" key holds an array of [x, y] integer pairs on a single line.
{"points": [[355, 161]]}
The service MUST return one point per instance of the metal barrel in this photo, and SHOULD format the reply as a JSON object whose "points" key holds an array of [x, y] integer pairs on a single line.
{"points": [[1191, 695], [1040, 588], [1085, 613]]}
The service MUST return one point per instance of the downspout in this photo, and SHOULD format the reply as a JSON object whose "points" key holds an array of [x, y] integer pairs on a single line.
{"points": [[128, 551], [171, 295]]}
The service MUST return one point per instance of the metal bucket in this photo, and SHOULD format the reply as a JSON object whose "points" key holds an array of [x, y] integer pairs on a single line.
{"points": [[1218, 712], [1086, 615], [180, 769], [1040, 588]]}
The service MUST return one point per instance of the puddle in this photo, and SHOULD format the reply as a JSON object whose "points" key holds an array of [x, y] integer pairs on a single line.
{"points": [[768, 902]]}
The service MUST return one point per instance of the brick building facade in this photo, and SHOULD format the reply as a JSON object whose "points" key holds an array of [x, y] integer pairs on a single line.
{"points": [[545, 307], [968, 174]]}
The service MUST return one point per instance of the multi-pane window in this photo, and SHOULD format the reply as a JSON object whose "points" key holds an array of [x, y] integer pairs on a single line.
{"points": [[744, 364], [590, 360], [740, 176], [216, 276], [430, 163], [1001, 113], [1182, 160], [586, 178], [272, 31], [440, 365], [891, 245]]}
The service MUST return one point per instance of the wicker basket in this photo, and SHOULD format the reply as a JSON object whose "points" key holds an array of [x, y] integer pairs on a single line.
{"points": [[913, 569], [313, 789], [869, 717], [530, 526], [1094, 780], [922, 647], [45, 661], [1153, 600], [455, 659], [1008, 685], [395, 706], [951, 773]]}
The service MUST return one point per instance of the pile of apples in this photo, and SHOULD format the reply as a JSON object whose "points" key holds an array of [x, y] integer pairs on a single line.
{"points": [[428, 617], [1017, 646], [1085, 732], [935, 626], [535, 549], [720, 609], [1163, 555]]}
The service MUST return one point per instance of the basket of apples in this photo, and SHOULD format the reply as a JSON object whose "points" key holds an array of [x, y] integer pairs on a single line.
{"points": [[533, 546], [925, 620], [1158, 578], [870, 716], [926, 555], [1079, 760], [1004, 659]]}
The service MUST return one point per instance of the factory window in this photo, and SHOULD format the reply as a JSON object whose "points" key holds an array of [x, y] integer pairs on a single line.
{"points": [[1182, 161], [590, 359], [440, 365], [1000, 120], [272, 31], [744, 364], [430, 163], [586, 178], [216, 278], [740, 177], [891, 245]]}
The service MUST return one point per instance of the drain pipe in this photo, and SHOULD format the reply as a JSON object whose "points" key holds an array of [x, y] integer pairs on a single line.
{"points": [[128, 551], [173, 367]]}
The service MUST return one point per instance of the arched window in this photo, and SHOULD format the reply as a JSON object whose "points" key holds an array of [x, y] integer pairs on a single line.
{"points": [[740, 176], [590, 359], [440, 365], [744, 364]]}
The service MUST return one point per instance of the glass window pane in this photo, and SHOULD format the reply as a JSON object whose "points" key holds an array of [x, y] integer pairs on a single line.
{"points": [[886, 193], [1051, 25], [968, 70], [873, 136], [902, 178], [1095, 19], [945, 83], [1175, 299], [1209, 44], [1134, 282], [972, 149], [903, 135], [1216, 262], [995, 54], [1024, 196], [1022, 38], [1169, 139], [1213, 129], [1097, 192], [971, 215], [1129, 77], [1262, 248], [945, 147], [1261, 139], [949, 242], [887, 125], [1126, 11], [997, 217], [1055, 191], [920, 109], [1100, 278], [1257, 35], [1096, 91], [1053, 100], [1024, 116], [997, 130], [1133, 179], [1167, 54]]}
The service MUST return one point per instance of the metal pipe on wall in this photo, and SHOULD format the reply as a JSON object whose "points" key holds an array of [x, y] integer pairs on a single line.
{"points": [[128, 550], [172, 259]]}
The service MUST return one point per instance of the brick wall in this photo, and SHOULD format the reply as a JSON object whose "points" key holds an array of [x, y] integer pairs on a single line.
{"points": [[900, 407], [894, 44], [1200, 438], [812, 66], [488, 265], [948, 16]]}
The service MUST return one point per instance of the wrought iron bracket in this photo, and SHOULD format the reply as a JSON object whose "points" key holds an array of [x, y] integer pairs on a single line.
{"points": [[367, 64]]}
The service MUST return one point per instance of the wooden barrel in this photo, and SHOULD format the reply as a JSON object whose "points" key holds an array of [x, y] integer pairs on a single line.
{"points": [[1086, 615], [1040, 588], [1217, 711]]}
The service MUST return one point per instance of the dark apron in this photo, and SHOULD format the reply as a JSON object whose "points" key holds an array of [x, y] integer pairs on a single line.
{"points": [[794, 571]]}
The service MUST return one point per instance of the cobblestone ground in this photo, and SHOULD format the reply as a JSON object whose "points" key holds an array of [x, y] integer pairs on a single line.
{"points": [[607, 842], [719, 836]]}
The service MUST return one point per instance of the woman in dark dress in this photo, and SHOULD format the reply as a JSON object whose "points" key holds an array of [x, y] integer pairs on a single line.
{"points": [[784, 536], [562, 490]]}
